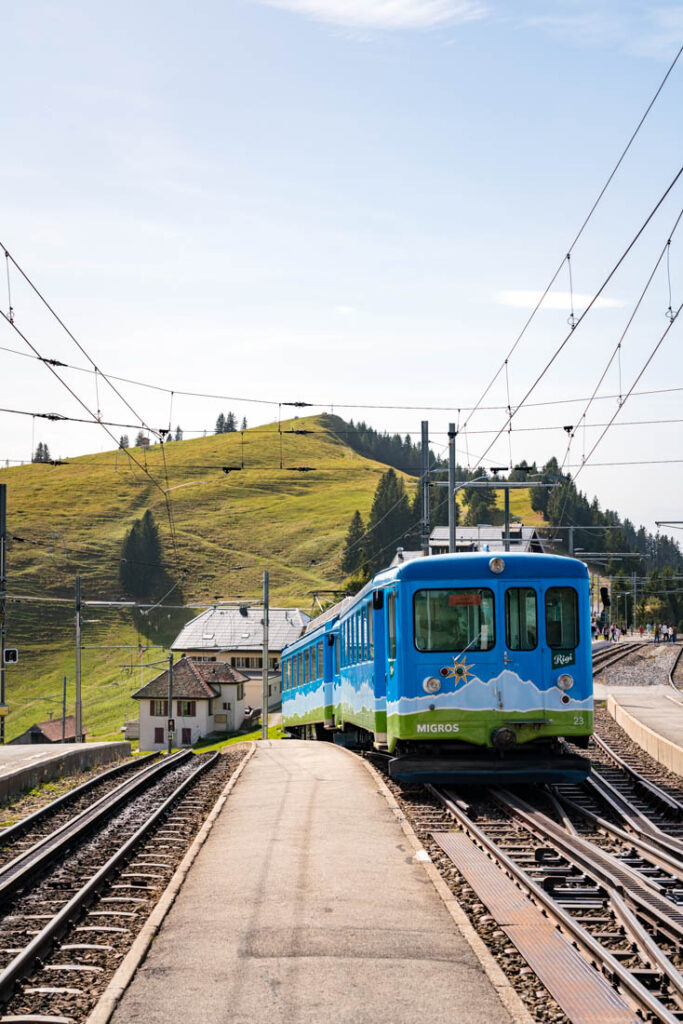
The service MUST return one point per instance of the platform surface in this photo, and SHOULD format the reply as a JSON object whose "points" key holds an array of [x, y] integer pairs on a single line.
{"points": [[305, 905], [659, 708]]}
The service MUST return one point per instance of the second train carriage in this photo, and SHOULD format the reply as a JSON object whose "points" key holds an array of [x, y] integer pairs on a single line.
{"points": [[465, 667]]}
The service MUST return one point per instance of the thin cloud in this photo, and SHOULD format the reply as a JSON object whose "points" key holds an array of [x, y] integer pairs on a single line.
{"points": [[389, 14], [556, 300]]}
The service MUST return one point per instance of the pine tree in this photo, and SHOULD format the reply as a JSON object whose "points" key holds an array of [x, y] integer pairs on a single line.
{"points": [[178, 434], [230, 423], [141, 573], [354, 551], [481, 506], [220, 424], [42, 453], [390, 520], [140, 439], [244, 423]]}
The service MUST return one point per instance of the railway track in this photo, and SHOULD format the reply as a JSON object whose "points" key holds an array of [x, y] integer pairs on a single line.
{"points": [[25, 833], [607, 657], [676, 673], [631, 933], [71, 905]]}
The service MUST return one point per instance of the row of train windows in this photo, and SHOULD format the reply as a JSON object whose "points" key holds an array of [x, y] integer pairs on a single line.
{"points": [[464, 619], [306, 666]]}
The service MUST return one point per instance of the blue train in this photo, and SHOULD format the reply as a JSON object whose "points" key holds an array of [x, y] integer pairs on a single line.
{"points": [[460, 668]]}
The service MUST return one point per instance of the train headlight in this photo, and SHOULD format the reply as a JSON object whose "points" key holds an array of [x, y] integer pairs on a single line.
{"points": [[431, 684], [565, 682], [496, 565]]}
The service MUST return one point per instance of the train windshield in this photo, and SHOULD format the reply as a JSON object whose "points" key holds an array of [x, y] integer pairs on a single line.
{"points": [[454, 620]]}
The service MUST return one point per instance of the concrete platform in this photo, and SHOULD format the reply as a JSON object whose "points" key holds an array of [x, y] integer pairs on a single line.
{"points": [[306, 904], [653, 717], [24, 765]]}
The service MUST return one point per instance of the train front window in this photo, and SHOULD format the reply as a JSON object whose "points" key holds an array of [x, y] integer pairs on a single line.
{"points": [[562, 618], [454, 620], [521, 629]]}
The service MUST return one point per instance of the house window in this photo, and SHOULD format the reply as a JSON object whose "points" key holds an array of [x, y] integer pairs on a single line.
{"points": [[159, 709], [186, 708], [159, 734], [240, 691]]}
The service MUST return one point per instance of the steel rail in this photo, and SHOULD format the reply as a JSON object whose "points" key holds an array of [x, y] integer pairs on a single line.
{"points": [[16, 830], [18, 871], [611, 657], [650, 788], [589, 945], [42, 943], [632, 816], [647, 846], [605, 869]]}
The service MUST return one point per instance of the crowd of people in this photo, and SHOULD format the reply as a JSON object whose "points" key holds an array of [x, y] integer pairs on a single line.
{"points": [[658, 632]]}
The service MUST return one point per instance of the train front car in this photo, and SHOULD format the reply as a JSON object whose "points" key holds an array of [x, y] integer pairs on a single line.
{"points": [[491, 667]]}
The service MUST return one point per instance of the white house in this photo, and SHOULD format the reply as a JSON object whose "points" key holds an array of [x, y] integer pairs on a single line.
{"points": [[207, 697], [235, 636]]}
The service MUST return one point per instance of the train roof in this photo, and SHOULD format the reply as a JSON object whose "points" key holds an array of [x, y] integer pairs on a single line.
{"points": [[475, 565]]}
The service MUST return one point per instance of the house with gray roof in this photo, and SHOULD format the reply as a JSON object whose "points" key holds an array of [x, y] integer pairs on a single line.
{"points": [[207, 697], [234, 635]]}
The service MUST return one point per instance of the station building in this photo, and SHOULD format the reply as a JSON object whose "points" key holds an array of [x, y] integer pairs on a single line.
{"points": [[208, 697], [234, 636]]}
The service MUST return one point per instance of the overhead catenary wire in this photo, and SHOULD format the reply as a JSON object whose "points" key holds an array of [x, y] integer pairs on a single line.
{"points": [[576, 238], [590, 305], [80, 401], [399, 407], [617, 349]]}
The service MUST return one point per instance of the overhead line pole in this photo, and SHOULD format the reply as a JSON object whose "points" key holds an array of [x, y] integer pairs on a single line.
{"points": [[424, 531], [452, 510], [79, 707], [264, 678], [3, 601]]}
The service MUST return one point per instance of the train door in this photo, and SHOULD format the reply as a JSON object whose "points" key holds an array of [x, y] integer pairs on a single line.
{"points": [[523, 653], [377, 611]]}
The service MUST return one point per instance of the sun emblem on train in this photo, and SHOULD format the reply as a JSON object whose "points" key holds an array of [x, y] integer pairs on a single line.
{"points": [[459, 670]]}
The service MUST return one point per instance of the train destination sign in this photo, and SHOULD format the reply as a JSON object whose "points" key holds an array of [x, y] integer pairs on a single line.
{"points": [[563, 658]]}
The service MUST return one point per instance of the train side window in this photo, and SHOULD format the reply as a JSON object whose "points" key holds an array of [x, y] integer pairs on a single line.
{"points": [[336, 655], [300, 676], [314, 663], [284, 674], [391, 624], [521, 627], [562, 617], [321, 662], [364, 634]]}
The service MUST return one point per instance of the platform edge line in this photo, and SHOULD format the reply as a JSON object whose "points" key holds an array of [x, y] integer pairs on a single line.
{"points": [[664, 751], [506, 993], [106, 1005]]}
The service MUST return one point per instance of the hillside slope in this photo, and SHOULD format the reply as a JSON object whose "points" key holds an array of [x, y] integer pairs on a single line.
{"points": [[228, 528]]}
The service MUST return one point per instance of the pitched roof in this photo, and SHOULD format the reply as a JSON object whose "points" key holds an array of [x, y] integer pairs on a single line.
{"points": [[192, 680], [240, 629], [522, 538], [52, 729]]}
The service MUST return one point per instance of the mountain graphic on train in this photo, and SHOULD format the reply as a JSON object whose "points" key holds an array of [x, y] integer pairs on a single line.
{"points": [[465, 668]]}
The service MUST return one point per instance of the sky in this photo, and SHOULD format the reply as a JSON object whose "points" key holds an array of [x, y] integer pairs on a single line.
{"points": [[356, 204]]}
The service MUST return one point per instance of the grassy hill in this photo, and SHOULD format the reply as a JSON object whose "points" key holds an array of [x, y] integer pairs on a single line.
{"points": [[228, 528]]}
